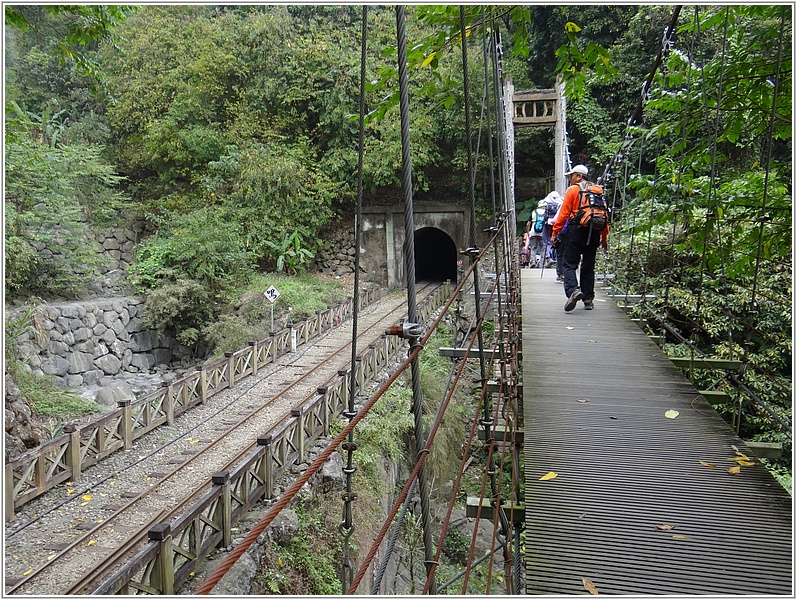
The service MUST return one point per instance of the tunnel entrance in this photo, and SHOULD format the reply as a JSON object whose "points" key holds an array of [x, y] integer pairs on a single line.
{"points": [[435, 256]]}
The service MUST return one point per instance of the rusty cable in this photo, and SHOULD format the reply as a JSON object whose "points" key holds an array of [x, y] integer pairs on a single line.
{"points": [[423, 453], [250, 538]]}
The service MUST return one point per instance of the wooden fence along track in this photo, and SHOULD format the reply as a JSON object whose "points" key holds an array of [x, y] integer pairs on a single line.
{"points": [[206, 518], [65, 457]]}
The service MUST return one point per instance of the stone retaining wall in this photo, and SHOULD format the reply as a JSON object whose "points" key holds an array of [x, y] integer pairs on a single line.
{"points": [[90, 344], [336, 256]]}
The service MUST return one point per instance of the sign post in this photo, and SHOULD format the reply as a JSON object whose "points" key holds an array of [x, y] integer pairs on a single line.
{"points": [[271, 295]]}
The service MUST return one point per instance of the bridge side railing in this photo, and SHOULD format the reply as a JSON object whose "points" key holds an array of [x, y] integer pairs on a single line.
{"points": [[175, 549], [64, 458]]}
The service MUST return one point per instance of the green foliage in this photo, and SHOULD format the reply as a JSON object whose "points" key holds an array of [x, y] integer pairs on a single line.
{"points": [[53, 193], [307, 563], [274, 195], [573, 60], [44, 396], [181, 308], [250, 318], [456, 546], [198, 246], [301, 295], [291, 257], [74, 31], [383, 435]]}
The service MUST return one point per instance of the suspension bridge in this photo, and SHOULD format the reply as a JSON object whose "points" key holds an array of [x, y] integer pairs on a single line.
{"points": [[607, 468]]}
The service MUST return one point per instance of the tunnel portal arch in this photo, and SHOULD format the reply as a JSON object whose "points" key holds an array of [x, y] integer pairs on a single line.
{"points": [[435, 255]]}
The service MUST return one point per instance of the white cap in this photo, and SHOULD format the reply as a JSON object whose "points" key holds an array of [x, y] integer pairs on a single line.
{"points": [[580, 169]]}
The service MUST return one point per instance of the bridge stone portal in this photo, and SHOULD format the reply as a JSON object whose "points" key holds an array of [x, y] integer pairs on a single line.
{"points": [[441, 232]]}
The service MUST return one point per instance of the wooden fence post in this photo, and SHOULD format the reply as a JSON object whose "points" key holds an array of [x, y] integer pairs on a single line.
{"points": [[324, 393], [9, 493], [162, 576], [253, 345], [298, 439], [127, 423], [168, 402], [224, 521], [203, 383], [230, 367], [266, 465], [73, 452]]}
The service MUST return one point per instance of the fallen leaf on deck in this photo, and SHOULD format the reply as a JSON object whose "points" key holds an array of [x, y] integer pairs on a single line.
{"points": [[665, 527], [735, 470], [583, 400], [589, 586], [593, 341], [707, 464], [548, 475], [680, 537], [671, 414], [570, 328], [91, 543]]}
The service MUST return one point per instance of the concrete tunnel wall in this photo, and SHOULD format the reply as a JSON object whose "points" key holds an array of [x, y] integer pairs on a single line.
{"points": [[441, 232]]}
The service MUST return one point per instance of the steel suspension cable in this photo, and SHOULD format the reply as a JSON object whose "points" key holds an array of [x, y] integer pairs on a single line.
{"points": [[409, 258], [637, 114], [460, 473], [397, 528], [473, 251], [491, 169], [346, 526], [422, 455], [712, 178], [684, 126], [762, 211], [294, 488]]}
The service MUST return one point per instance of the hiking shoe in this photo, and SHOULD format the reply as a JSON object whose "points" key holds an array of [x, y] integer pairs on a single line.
{"points": [[588, 305], [573, 300], [560, 278]]}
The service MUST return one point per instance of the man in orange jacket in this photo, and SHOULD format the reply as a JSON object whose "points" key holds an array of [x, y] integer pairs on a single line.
{"points": [[578, 242]]}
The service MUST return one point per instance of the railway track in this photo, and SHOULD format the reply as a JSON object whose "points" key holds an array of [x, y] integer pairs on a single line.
{"points": [[74, 546]]}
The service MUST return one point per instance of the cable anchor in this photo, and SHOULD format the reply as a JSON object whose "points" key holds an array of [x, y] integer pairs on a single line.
{"points": [[408, 331]]}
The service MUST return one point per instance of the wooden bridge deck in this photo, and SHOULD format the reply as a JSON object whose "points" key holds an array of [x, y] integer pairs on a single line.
{"points": [[595, 393]]}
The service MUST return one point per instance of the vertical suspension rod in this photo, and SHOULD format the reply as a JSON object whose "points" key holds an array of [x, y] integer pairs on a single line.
{"points": [[346, 526]]}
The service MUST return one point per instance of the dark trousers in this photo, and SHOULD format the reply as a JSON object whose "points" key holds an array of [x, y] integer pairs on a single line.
{"points": [[577, 250]]}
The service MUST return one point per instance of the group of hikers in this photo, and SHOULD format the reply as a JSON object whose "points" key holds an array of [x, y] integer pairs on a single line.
{"points": [[566, 232]]}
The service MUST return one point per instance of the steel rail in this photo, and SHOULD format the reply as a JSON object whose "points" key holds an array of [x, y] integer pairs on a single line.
{"points": [[135, 539]]}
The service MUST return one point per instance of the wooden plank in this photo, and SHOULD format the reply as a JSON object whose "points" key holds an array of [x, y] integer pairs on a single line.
{"points": [[501, 433], [534, 95], [474, 353], [493, 387], [516, 513], [706, 363], [623, 467], [773, 450]]}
